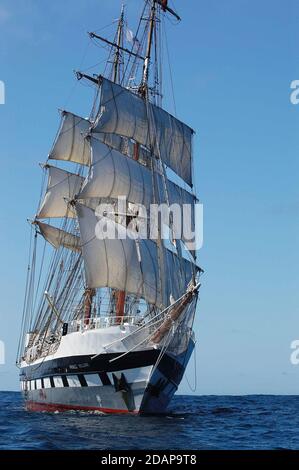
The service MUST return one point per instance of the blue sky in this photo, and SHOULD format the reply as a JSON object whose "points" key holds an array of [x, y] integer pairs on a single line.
{"points": [[233, 63]]}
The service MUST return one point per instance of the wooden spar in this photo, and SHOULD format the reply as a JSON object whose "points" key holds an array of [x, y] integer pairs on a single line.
{"points": [[110, 43], [53, 307], [136, 151], [120, 305], [89, 294]]}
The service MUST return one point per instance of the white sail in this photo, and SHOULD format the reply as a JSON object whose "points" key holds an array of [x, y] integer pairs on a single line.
{"points": [[125, 113], [115, 263], [62, 187], [113, 174], [113, 140], [59, 238], [70, 144], [130, 265], [178, 273]]}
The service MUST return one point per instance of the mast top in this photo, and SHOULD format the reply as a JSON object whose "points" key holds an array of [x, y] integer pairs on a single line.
{"points": [[139, 51], [165, 7], [152, 36], [119, 42]]}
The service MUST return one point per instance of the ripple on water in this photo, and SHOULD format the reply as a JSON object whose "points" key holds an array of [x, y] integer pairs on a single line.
{"points": [[204, 422]]}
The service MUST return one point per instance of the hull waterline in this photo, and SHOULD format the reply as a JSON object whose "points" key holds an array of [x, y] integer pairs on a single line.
{"points": [[136, 384]]}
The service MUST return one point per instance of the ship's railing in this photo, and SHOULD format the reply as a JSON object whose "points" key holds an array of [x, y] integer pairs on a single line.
{"points": [[43, 348], [50, 345], [101, 322]]}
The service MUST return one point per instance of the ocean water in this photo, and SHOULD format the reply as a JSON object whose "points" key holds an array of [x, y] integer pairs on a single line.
{"points": [[204, 422]]}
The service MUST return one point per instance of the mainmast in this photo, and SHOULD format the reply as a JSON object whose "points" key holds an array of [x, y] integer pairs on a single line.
{"points": [[120, 295], [143, 90], [118, 49], [90, 293]]}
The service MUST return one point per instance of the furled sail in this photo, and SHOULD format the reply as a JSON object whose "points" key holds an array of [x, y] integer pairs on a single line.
{"points": [[130, 265], [127, 114], [62, 186], [59, 238], [70, 144], [113, 174]]}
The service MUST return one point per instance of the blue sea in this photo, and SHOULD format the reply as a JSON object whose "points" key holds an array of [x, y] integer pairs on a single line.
{"points": [[193, 422]]}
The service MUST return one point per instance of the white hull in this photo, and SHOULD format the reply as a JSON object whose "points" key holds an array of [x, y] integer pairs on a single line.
{"points": [[139, 382]]}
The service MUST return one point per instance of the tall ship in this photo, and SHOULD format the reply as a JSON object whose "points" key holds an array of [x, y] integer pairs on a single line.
{"points": [[113, 277]]}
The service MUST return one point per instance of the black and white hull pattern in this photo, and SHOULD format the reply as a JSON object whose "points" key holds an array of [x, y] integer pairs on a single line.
{"points": [[142, 381]]}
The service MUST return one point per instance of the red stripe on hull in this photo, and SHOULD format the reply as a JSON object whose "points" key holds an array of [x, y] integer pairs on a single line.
{"points": [[51, 407]]}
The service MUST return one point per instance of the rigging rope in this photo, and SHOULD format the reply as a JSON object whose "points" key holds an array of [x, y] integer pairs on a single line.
{"points": [[75, 85], [193, 389], [170, 68], [24, 314]]}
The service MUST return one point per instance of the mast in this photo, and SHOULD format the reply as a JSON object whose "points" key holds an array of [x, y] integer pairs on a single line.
{"points": [[117, 55], [120, 305], [88, 297], [143, 90], [120, 294], [163, 4]]}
